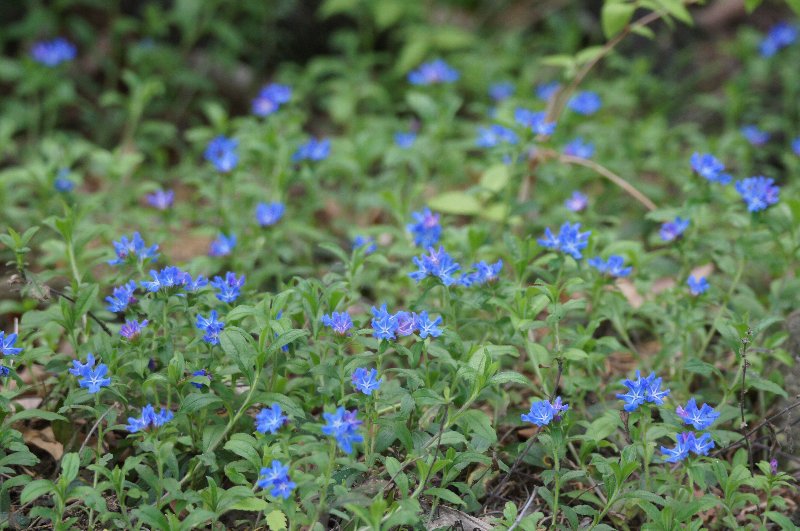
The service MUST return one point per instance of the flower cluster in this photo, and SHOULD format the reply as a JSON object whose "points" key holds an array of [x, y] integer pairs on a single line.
{"points": [[481, 274], [433, 73], [54, 52], [7, 344], [569, 240], [576, 202], [276, 478], [131, 329], [121, 297], [758, 193], [435, 264], [339, 322], [62, 182], [133, 250], [172, 277], [700, 419], [366, 381], [672, 230], [642, 390], [494, 135], [314, 150], [779, 36], [268, 214], [223, 245], [343, 426], [425, 229], [222, 153], [212, 327], [270, 419], [543, 412], [229, 287], [389, 326], [535, 121], [579, 148], [709, 167], [160, 199], [613, 267], [585, 103], [270, 99], [697, 285], [149, 418], [92, 378]]}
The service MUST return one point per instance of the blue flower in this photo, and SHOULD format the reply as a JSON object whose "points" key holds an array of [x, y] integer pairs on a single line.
{"points": [[754, 135], [201, 372], [569, 240], [579, 148], [707, 166], [481, 274], [126, 250], [160, 199], [779, 36], [433, 72], [427, 326], [221, 152], [366, 381], [169, 277], [79, 369], [343, 426], [131, 329], [703, 444], [366, 242], [229, 287], [4, 371], [405, 140], [196, 284], [495, 135], [796, 146], [535, 121], [223, 245], [576, 202], [672, 230], [92, 378], [642, 390], [268, 214], [699, 418], [585, 103], [62, 183], [270, 99], [425, 229], [697, 285], [501, 91], [148, 418], [54, 52], [614, 267], [758, 192], [436, 264], [212, 327], [339, 322], [121, 297], [558, 408], [313, 150], [7, 344], [406, 323], [384, 324], [684, 444], [546, 91], [276, 478], [270, 419], [543, 412]]}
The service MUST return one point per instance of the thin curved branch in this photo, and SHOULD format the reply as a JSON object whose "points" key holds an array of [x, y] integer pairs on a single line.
{"points": [[611, 176]]}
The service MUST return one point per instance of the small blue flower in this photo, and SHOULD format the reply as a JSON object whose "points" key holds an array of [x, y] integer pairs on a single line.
{"points": [[433, 72], [221, 152], [4, 371], [161, 199], [700, 418], [121, 297], [93, 379], [270, 99], [579, 148], [149, 418], [541, 413], [754, 135], [796, 146], [276, 478], [672, 230], [697, 285], [54, 52], [405, 140], [270, 419], [436, 264], [384, 324], [7, 344], [212, 327], [343, 426], [703, 444], [494, 135], [425, 229], [366, 242], [558, 408], [586, 103], [131, 329], [481, 274], [268, 214], [427, 326], [535, 121], [576, 202], [501, 91], [127, 250], [167, 278], [314, 150], [684, 444], [406, 323], [642, 390], [62, 183], [569, 240], [779, 36], [203, 373], [229, 287], [80, 369], [163, 416], [339, 322], [196, 284], [546, 91], [614, 267], [223, 245], [366, 381], [707, 166], [758, 192]]}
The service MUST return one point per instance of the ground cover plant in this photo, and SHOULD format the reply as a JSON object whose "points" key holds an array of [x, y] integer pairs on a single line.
{"points": [[399, 265]]}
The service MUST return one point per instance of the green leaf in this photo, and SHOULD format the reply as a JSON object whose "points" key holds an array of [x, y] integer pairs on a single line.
{"points": [[447, 495], [495, 178], [782, 520], [36, 489], [509, 376], [238, 344], [197, 401], [276, 520], [250, 504], [615, 16], [794, 4], [455, 203], [751, 5], [70, 464], [479, 423], [85, 299], [35, 414], [765, 385]]}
